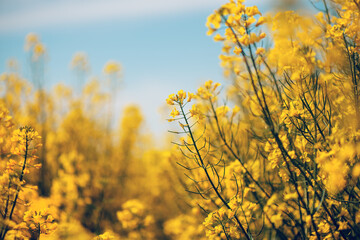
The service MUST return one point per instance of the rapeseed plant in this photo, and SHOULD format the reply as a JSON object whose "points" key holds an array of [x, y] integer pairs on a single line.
{"points": [[280, 166]]}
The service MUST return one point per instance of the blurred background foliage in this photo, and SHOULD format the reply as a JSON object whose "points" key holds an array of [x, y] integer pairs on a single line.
{"points": [[96, 174]]}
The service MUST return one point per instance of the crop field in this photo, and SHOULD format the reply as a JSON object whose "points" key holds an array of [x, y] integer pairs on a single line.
{"points": [[271, 152]]}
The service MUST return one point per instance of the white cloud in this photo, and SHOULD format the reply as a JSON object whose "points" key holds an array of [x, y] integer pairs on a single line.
{"points": [[50, 13]]}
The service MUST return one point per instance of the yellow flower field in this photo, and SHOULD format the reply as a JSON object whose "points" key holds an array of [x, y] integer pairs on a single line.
{"points": [[272, 155]]}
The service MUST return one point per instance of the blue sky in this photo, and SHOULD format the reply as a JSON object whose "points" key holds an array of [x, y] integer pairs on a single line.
{"points": [[161, 44]]}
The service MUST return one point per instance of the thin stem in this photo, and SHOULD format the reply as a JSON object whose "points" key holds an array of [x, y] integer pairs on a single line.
{"points": [[207, 174]]}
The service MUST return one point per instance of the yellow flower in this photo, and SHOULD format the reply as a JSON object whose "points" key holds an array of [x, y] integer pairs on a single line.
{"points": [[252, 11], [260, 21], [178, 98], [194, 110], [32, 38], [237, 50], [277, 220], [250, 21], [260, 51], [208, 84], [356, 171], [181, 95], [213, 20], [245, 40], [290, 196], [218, 38], [253, 38], [174, 113], [190, 96], [112, 67], [170, 100], [30, 41], [80, 62], [210, 31], [50, 218], [235, 110], [262, 35], [216, 85], [222, 111], [39, 49]]}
